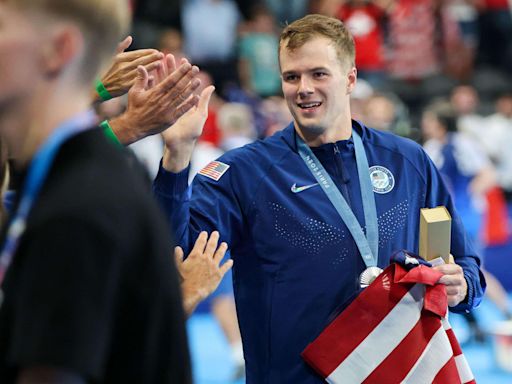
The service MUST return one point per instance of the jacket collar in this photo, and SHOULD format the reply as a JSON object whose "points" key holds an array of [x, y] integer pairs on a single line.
{"points": [[288, 134]]}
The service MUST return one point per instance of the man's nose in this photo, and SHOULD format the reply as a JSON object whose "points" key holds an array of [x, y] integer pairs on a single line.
{"points": [[305, 86]]}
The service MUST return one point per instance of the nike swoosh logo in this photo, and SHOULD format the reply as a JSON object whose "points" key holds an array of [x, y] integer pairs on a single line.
{"points": [[296, 189]]}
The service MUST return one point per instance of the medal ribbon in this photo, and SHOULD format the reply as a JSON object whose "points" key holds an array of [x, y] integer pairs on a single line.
{"points": [[36, 175], [368, 245]]}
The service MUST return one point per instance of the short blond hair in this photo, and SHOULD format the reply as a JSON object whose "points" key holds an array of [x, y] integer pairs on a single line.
{"points": [[103, 22], [301, 31]]}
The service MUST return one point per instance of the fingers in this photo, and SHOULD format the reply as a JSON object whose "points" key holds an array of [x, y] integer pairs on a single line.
{"points": [[171, 63], [147, 59], [134, 55], [176, 98], [220, 253], [155, 65], [192, 101], [200, 244], [450, 280], [211, 246], [141, 82], [178, 255], [179, 79], [151, 82], [123, 45], [225, 267], [204, 98]]}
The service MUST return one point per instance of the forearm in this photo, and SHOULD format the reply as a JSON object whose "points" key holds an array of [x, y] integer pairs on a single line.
{"points": [[177, 157], [172, 194]]}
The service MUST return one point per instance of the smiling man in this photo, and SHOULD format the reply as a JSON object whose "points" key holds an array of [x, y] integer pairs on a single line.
{"points": [[311, 208]]}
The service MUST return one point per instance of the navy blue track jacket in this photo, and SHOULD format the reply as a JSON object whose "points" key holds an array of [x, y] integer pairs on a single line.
{"points": [[295, 261]]}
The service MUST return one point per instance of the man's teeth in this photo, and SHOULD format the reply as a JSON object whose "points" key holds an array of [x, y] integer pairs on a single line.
{"points": [[309, 105]]}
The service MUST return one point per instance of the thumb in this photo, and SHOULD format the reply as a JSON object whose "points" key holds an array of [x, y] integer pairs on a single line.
{"points": [[142, 79], [204, 98], [178, 255], [123, 45]]}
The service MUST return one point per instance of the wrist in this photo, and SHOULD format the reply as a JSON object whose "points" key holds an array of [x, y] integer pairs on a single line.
{"points": [[191, 298], [177, 156], [102, 91], [123, 128], [109, 133]]}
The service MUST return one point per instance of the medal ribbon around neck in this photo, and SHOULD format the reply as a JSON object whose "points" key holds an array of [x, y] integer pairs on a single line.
{"points": [[368, 245], [36, 175]]}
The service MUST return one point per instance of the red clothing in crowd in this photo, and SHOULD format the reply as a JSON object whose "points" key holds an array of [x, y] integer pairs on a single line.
{"points": [[497, 4], [364, 22]]}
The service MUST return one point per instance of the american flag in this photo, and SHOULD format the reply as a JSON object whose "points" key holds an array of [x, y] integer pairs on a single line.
{"points": [[395, 331], [214, 170]]}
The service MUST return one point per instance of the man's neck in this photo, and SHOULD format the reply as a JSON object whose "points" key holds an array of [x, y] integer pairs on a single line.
{"points": [[342, 131], [26, 128]]}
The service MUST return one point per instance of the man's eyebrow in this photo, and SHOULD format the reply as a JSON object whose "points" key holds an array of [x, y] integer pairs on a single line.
{"points": [[309, 70], [318, 69]]}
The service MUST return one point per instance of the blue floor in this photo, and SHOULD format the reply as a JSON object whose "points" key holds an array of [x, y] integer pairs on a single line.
{"points": [[212, 365]]}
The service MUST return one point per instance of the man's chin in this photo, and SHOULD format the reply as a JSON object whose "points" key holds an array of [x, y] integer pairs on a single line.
{"points": [[311, 129]]}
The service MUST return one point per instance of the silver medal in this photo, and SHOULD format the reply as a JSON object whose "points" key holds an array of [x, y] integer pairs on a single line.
{"points": [[368, 275]]}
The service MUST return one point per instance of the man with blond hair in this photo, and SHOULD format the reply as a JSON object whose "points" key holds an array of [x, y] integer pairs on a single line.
{"points": [[89, 293], [314, 209]]}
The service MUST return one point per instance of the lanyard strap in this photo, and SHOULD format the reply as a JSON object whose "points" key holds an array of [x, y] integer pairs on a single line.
{"points": [[36, 175], [368, 245]]}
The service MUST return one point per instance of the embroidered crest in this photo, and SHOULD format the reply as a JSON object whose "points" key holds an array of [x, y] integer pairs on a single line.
{"points": [[382, 179], [214, 170]]}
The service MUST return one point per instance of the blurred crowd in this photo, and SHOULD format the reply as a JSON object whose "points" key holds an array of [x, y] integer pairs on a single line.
{"points": [[411, 56]]}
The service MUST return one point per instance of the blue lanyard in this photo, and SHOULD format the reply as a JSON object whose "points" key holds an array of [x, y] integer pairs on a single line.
{"points": [[36, 175], [368, 245]]}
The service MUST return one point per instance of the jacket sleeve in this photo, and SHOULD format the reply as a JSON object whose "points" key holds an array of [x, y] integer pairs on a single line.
{"points": [[462, 248], [206, 205]]}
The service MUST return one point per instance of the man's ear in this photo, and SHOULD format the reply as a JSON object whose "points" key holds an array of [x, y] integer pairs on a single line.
{"points": [[351, 80], [63, 47]]}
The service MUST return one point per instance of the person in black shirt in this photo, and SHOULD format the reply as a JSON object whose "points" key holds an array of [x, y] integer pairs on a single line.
{"points": [[89, 292]]}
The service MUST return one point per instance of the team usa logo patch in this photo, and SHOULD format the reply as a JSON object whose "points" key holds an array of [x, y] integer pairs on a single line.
{"points": [[214, 170], [382, 179]]}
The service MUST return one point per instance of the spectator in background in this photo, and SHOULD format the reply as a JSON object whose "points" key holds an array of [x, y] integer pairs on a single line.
{"points": [[498, 133], [465, 102], [495, 47], [236, 124], [365, 20], [362, 92], [469, 175], [170, 41], [209, 32], [386, 112], [286, 11], [421, 37], [276, 114], [257, 64], [151, 17]]}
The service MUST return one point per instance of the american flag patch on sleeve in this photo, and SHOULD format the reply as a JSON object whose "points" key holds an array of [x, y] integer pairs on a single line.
{"points": [[214, 170]]}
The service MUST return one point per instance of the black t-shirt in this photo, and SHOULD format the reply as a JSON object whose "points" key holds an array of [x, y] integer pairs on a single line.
{"points": [[92, 288]]}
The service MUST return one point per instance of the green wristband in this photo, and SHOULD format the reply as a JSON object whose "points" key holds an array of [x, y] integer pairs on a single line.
{"points": [[102, 91], [109, 133]]}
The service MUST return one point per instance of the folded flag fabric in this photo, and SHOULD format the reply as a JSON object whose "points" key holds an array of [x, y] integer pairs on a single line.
{"points": [[395, 331]]}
